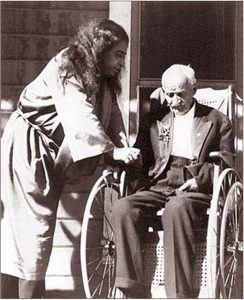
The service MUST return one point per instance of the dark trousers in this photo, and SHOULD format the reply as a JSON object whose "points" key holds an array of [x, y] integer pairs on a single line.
{"points": [[131, 217], [16, 288]]}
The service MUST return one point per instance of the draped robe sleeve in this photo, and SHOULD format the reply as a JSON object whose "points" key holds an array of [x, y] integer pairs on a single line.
{"points": [[84, 127], [83, 131]]}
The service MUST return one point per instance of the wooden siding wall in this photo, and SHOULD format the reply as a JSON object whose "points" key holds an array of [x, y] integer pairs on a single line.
{"points": [[33, 32]]}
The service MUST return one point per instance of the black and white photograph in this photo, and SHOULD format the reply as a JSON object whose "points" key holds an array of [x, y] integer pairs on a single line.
{"points": [[121, 149]]}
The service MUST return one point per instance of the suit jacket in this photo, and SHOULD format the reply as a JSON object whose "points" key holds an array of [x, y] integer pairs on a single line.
{"points": [[212, 131]]}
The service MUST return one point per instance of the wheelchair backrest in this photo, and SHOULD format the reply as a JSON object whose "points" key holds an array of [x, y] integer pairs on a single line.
{"points": [[218, 99]]}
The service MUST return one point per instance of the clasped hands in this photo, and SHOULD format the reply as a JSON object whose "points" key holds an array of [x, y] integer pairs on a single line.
{"points": [[128, 154]]}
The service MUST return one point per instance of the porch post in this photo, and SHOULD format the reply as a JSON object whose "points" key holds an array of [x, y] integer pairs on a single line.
{"points": [[121, 13]]}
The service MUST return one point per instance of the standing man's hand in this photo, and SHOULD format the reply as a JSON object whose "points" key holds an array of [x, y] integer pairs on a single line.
{"points": [[128, 154]]}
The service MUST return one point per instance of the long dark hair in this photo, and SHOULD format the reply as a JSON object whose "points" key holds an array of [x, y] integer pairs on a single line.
{"points": [[86, 50]]}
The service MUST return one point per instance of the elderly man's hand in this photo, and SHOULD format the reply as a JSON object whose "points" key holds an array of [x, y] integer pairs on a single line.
{"points": [[189, 185]]}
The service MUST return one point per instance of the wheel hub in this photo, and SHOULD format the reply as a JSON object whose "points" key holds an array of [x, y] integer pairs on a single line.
{"points": [[109, 247]]}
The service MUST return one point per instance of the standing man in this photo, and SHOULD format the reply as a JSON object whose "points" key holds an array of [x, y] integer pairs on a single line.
{"points": [[180, 181], [67, 117]]}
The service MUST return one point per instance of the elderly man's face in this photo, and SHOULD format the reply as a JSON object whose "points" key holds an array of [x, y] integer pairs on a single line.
{"points": [[178, 93]]}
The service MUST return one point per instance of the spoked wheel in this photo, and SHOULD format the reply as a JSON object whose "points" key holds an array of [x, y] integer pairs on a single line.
{"points": [[231, 244], [98, 250], [226, 179]]}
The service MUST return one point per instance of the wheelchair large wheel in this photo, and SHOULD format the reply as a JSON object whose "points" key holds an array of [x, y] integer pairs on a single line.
{"points": [[231, 244], [98, 253], [226, 179]]}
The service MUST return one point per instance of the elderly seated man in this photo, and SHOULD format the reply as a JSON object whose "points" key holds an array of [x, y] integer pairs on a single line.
{"points": [[180, 181]]}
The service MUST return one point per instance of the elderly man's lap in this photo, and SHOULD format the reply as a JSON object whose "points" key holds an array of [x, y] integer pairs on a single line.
{"points": [[140, 200], [146, 203]]}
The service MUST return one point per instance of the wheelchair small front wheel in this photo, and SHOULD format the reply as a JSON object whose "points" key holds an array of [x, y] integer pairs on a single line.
{"points": [[97, 248]]}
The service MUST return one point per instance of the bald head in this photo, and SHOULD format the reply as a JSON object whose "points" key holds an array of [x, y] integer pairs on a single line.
{"points": [[175, 81], [178, 73], [178, 83]]}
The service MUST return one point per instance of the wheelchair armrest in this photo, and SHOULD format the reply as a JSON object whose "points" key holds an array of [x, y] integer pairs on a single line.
{"points": [[217, 157], [115, 172]]}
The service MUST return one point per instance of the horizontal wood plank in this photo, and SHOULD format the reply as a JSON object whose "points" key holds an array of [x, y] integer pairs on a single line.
{"points": [[11, 92], [26, 48], [19, 72], [56, 5], [52, 22]]}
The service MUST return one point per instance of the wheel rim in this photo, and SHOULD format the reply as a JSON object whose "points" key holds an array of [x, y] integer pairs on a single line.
{"points": [[230, 252], [98, 250], [225, 181]]}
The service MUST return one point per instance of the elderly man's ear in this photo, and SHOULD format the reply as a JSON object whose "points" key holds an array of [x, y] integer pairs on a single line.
{"points": [[158, 94], [158, 104]]}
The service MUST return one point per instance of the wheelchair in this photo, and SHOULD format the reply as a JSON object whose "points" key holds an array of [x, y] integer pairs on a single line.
{"points": [[219, 250]]}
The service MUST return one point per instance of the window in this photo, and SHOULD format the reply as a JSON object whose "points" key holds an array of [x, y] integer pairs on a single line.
{"points": [[201, 34]]}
